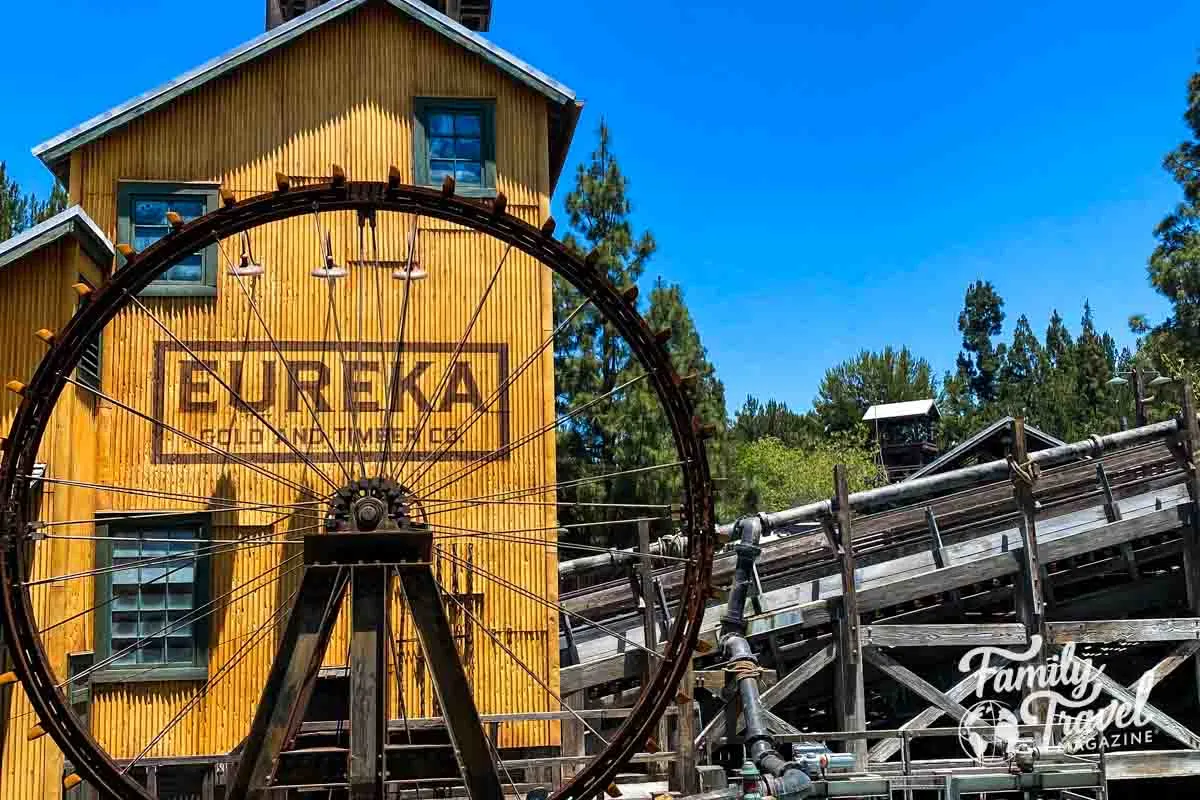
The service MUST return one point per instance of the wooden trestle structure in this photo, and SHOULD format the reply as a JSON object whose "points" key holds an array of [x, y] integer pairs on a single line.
{"points": [[1094, 543]]}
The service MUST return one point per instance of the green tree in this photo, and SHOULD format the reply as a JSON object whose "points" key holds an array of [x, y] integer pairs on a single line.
{"points": [[767, 474], [1021, 371], [1175, 263], [980, 360], [756, 420], [20, 210], [626, 429], [853, 386]]}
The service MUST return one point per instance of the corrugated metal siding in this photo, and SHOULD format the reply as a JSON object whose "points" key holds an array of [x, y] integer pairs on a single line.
{"points": [[37, 294], [343, 94]]}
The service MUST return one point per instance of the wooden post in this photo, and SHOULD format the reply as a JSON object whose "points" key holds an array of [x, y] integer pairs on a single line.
{"points": [[1112, 512], [687, 780], [1191, 533], [574, 735], [849, 695], [1031, 611], [649, 628]]}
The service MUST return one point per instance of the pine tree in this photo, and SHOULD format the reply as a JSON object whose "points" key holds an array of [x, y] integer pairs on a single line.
{"points": [[628, 430], [979, 361], [1021, 371], [19, 211], [1175, 264]]}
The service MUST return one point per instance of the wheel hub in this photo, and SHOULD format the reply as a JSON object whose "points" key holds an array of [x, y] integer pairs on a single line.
{"points": [[368, 504]]}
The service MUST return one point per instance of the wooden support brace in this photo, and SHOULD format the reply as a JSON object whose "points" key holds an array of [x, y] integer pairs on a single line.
{"points": [[913, 682], [849, 692], [1112, 512]]}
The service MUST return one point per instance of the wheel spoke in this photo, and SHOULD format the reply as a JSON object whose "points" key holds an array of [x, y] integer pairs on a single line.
{"points": [[478, 414], [155, 515], [586, 548], [525, 667], [249, 541], [286, 366], [462, 342], [496, 579], [223, 672], [400, 331], [508, 449], [550, 487], [239, 401], [226, 504], [188, 437]]}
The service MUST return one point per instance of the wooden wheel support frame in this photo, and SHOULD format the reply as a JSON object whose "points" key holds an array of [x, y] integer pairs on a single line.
{"points": [[359, 559]]}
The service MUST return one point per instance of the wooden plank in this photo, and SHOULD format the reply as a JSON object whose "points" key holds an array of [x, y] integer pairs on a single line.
{"points": [[1191, 533], [1138, 765], [1125, 630], [914, 682], [687, 779], [368, 681], [793, 609], [957, 693], [950, 635], [1158, 718], [849, 691], [935, 539], [1113, 512]]}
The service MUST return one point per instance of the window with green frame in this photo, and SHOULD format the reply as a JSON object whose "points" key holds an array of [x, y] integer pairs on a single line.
{"points": [[142, 221], [152, 591], [456, 138]]}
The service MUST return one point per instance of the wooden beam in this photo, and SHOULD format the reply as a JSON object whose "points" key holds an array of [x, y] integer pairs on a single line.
{"points": [[369, 600], [1191, 532], [957, 693], [715, 729], [1152, 764], [1148, 680], [849, 692], [1158, 718], [914, 682], [1124, 630], [1112, 511], [962, 635], [687, 779], [935, 539]]}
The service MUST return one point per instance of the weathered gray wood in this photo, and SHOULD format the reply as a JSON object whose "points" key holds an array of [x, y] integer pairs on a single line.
{"points": [[849, 689], [574, 735], [715, 729], [914, 682], [293, 673], [1158, 718], [368, 682], [686, 778], [1113, 512], [957, 693], [950, 635], [1191, 534], [1137, 765], [1150, 678], [935, 537], [1125, 630], [909, 578]]}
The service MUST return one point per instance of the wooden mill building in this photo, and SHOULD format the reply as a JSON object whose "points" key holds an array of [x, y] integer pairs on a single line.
{"points": [[361, 84]]}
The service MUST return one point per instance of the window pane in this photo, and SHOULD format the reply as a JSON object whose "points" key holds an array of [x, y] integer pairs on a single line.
{"points": [[149, 211], [118, 645], [125, 598], [467, 172], [125, 577], [180, 596], [468, 149], [152, 652], [144, 237], [441, 147], [179, 651], [441, 124], [153, 576], [438, 170], [154, 549], [124, 625], [181, 571], [126, 548], [187, 207], [467, 124], [154, 595], [183, 271], [180, 624], [152, 624]]}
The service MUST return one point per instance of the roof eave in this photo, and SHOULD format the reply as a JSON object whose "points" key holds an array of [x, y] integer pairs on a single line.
{"points": [[74, 221], [54, 152]]}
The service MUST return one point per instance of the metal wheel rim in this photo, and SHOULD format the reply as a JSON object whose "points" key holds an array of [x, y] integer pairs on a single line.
{"points": [[41, 394]]}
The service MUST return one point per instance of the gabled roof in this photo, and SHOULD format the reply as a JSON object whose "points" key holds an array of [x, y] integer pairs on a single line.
{"points": [[1035, 439], [54, 151], [72, 222], [907, 408]]}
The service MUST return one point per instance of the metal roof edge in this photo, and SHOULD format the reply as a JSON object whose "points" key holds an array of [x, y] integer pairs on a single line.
{"points": [[54, 150], [979, 436], [74, 221]]}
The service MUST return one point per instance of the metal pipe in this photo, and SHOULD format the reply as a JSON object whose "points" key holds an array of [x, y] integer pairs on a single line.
{"points": [[922, 488], [673, 546], [747, 549]]}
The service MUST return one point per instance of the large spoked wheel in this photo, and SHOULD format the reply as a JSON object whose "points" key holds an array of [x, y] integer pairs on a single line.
{"points": [[377, 436]]}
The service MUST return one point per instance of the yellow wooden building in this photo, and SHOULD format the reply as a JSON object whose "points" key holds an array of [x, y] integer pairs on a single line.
{"points": [[367, 85]]}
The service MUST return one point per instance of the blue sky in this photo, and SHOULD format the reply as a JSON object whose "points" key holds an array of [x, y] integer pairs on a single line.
{"points": [[822, 178]]}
